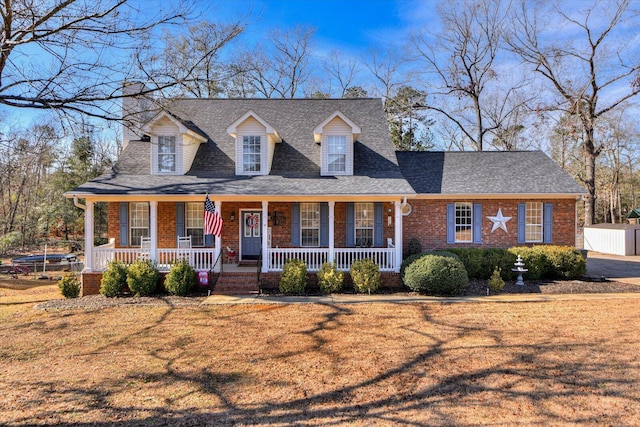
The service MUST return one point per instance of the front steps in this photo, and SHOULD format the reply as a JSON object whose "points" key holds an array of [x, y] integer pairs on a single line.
{"points": [[237, 283]]}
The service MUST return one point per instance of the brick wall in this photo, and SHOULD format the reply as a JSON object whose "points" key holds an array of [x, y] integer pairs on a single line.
{"points": [[427, 223]]}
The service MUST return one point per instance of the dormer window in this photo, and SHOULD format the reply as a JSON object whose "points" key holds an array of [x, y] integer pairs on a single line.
{"points": [[336, 136], [337, 155], [166, 154], [255, 143], [251, 153]]}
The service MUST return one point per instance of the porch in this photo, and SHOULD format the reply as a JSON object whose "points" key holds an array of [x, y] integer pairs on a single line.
{"points": [[205, 259]]}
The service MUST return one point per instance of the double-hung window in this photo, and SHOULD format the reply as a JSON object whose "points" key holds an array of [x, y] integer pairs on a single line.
{"points": [[251, 154], [139, 220], [166, 154], [310, 224], [364, 224], [337, 153], [533, 224], [464, 222], [194, 223]]}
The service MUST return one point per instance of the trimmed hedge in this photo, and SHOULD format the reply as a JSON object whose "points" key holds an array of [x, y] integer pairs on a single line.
{"points": [[294, 277], [330, 279], [436, 275], [365, 275], [69, 286], [480, 263], [114, 279], [142, 278], [551, 262], [408, 260], [181, 278]]}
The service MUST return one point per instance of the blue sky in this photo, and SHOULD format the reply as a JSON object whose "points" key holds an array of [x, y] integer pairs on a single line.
{"points": [[351, 26]]}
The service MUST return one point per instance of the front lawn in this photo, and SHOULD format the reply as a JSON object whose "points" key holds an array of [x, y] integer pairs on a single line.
{"points": [[550, 363]]}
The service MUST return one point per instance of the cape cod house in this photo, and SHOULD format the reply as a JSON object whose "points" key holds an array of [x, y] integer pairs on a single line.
{"points": [[315, 179]]}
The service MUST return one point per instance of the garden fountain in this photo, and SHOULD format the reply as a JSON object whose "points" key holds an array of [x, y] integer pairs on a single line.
{"points": [[519, 268]]}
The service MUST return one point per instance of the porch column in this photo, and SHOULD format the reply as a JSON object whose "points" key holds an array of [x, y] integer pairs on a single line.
{"points": [[153, 229], [332, 228], [265, 244], [88, 237], [217, 243], [398, 235]]}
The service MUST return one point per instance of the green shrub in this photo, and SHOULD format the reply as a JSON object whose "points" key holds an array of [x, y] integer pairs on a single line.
{"points": [[564, 262], [496, 284], [534, 261], [10, 241], [181, 278], [436, 275], [472, 260], [365, 275], [294, 277], [330, 278], [69, 286], [407, 261], [142, 278], [414, 247], [114, 279], [495, 257]]}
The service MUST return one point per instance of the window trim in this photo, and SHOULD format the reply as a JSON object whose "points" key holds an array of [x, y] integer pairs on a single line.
{"points": [[312, 207], [133, 208], [198, 216], [342, 151], [528, 221], [172, 141], [357, 219], [250, 139], [457, 225]]}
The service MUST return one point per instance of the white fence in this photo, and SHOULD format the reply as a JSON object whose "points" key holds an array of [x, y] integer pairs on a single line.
{"points": [[199, 258], [343, 257]]}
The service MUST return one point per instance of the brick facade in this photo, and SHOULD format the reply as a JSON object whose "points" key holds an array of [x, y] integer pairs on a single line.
{"points": [[427, 223]]}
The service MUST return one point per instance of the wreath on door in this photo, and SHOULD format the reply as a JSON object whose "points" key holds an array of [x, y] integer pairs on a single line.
{"points": [[252, 221]]}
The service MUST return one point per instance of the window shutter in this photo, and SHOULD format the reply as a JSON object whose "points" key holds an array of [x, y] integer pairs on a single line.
{"points": [[208, 240], [351, 225], [295, 224], [477, 223], [124, 224], [522, 230], [180, 230], [378, 231], [324, 224], [547, 227], [451, 223]]}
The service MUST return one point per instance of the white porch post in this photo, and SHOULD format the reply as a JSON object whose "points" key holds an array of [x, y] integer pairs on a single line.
{"points": [[88, 237], [265, 244], [398, 235], [153, 229], [332, 207], [217, 245]]}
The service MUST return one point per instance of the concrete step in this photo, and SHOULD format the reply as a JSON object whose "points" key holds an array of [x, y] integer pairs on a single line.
{"points": [[236, 284]]}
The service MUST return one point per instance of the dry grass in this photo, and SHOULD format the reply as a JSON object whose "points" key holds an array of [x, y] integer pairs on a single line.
{"points": [[552, 363]]}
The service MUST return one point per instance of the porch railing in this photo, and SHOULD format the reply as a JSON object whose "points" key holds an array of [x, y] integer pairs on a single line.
{"points": [[202, 259], [198, 258], [343, 257]]}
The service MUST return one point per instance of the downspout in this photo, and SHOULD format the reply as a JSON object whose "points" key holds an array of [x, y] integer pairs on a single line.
{"points": [[84, 207], [404, 202]]}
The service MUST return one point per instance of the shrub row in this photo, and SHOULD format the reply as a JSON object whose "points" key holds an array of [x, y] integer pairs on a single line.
{"points": [[364, 273], [142, 278], [436, 275], [542, 262]]}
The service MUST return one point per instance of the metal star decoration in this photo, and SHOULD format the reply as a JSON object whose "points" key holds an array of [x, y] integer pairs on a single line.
{"points": [[499, 221]]}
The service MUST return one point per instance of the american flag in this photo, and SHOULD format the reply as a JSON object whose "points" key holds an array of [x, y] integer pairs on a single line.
{"points": [[212, 220]]}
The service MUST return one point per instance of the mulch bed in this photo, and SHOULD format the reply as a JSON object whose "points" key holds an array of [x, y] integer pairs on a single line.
{"points": [[475, 288]]}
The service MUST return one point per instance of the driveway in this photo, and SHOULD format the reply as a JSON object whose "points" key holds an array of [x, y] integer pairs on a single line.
{"points": [[616, 267]]}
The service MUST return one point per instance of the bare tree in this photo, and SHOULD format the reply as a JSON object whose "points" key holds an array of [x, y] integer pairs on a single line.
{"points": [[341, 72], [278, 67], [467, 86], [198, 51], [590, 75], [70, 55]]}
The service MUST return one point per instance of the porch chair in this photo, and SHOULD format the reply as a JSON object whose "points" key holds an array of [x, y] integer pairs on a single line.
{"points": [[145, 248], [184, 242]]}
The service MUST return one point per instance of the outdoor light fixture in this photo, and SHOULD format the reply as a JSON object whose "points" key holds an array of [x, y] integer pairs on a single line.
{"points": [[232, 217]]}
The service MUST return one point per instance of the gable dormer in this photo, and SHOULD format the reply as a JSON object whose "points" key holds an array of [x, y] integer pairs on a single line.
{"points": [[255, 143], [174, 144], [336, 135]]}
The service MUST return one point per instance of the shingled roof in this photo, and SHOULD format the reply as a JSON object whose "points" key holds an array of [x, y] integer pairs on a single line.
{"points": [[378, 169], [485, 172], [296, 162]]}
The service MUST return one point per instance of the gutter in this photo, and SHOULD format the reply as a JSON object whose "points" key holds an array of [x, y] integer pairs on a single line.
{"points": [[78, 204]]}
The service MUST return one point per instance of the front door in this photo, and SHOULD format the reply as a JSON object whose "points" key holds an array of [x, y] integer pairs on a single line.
{"points": [[251, 235]]}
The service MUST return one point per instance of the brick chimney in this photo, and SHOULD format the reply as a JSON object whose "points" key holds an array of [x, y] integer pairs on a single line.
{"points": [[137, 109]]}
